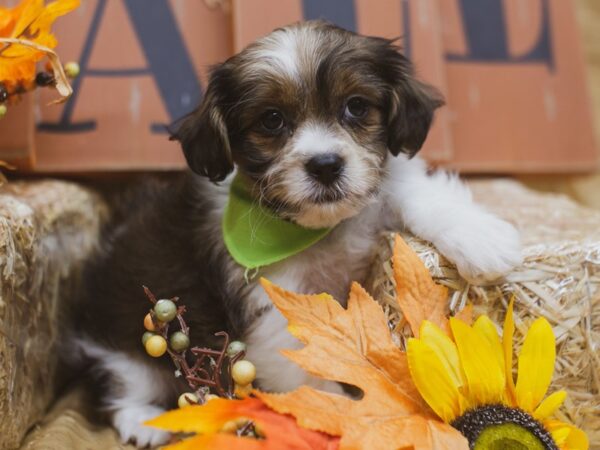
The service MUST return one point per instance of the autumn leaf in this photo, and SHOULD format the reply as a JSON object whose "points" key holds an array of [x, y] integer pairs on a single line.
{"points": [[354, 346], [280, 431], [31, 21], [418, 296], [351, 345]]}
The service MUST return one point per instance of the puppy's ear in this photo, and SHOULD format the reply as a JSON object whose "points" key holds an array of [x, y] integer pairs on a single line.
{"points": [[204, 137], [412, 103], [412, 107]]}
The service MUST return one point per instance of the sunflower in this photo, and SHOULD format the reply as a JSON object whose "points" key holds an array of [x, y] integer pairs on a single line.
{"points": [[31, 21], [467, 380]]}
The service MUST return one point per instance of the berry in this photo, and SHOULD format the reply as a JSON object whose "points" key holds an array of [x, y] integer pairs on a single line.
{"points": [[156, 346], [147, 335], [179, 341], [149, 323], [231, 426], [72, 69], [259, 430], [44, 79], [3, 110], [235, 347], [242, 391], [165, 310], [243, 372], [210, 397], [186, 399]]}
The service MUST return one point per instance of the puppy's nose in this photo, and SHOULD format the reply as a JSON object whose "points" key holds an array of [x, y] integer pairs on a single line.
{"points": [[325, 168]]}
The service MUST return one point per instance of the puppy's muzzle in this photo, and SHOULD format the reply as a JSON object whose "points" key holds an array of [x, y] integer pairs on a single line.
{"points": [[325, 168]]}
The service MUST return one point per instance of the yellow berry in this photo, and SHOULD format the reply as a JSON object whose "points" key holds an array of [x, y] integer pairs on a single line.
{"points": [[3, 110], [72, 69], [210, 397], [149, 323], [243, 372], [156, 346], [231, 426], [259, 430], [242, 391], [186, 399]]}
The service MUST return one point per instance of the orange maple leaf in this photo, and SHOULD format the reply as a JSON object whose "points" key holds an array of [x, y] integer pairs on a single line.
{"points": [[354, 346], [280, 431], [418, 296], [351, 345], [31, 21]]}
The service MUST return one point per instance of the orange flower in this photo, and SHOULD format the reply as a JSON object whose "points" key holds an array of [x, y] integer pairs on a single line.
{"points": [[280, 431], [30, 21]]}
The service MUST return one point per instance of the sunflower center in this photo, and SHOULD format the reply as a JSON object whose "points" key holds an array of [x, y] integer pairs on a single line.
{"points": [[497, 427]]}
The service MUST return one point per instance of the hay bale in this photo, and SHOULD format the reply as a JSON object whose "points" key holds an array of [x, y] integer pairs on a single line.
{"points": [[560, 280], [46, 229]]}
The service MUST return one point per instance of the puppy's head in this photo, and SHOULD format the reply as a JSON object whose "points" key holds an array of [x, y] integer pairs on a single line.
{"points": [[309, 115]]}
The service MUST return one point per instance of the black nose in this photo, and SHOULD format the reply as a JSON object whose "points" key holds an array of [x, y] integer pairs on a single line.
{"points": [[325, 168]]}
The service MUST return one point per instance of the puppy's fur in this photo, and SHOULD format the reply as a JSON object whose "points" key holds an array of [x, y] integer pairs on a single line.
{"points": [[302, 92]]}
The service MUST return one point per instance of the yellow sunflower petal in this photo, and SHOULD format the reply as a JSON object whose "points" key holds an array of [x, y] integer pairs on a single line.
{"points": [[485, 378], [536, 365], [550, 405], [444, 348], [507, 345], [577, 440], [484, 326], [567, 436], [432, 380]]}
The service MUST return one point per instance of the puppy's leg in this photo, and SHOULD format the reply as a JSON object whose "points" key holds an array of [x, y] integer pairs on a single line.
{"points": [[134, 390], [439, 208], [267, 336]]}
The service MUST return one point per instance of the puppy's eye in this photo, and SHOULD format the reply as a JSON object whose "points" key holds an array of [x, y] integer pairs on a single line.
{"points": [[272, 120], [356, 108]]}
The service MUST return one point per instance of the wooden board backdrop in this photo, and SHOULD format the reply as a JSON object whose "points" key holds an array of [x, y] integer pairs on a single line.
{"points": [[512, 72]]}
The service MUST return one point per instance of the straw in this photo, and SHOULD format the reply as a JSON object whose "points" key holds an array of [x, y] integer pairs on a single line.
{"points": [[559, 279]]}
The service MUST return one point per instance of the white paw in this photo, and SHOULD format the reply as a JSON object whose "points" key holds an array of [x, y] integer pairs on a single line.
{"points": [[483, 247], [129, 423]]}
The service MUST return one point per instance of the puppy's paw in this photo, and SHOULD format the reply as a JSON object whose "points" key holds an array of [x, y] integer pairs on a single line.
{"points": [[129, 422], [483, 247]]}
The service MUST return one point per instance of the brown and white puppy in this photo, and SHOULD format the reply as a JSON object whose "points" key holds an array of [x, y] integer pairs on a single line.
{"points": [[323, 124]]}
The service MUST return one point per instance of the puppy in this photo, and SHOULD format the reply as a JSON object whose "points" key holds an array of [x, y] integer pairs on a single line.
{"points": [[321, 125]]}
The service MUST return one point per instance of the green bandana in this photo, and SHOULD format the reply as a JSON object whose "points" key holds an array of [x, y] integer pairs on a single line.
{"points": [[255, 237]]}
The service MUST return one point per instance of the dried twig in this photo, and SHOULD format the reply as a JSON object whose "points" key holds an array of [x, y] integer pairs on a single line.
{"points": [[209, 368]]}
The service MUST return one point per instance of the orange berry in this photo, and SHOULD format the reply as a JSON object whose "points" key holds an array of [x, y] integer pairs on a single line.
{"points": [[149, 323]]}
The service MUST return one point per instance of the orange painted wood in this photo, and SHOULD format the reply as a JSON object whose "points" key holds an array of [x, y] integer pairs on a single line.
{"points": [[125, 107], [520, 117]]}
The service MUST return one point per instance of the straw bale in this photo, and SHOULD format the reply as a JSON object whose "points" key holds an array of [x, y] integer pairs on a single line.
{"points": [[559, 279], [46, 229]]}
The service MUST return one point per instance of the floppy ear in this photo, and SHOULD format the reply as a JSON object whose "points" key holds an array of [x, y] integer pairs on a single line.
{"points": [[412, 106], [204, 138]]}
